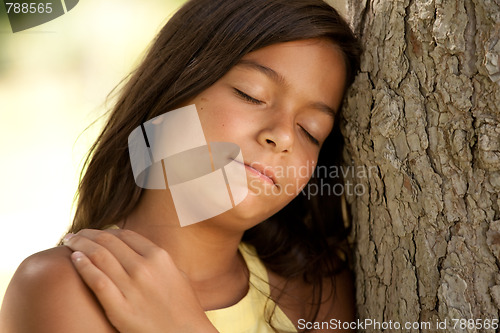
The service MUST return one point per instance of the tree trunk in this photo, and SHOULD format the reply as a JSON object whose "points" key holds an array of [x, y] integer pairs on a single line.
{"points": [[422, 130]]}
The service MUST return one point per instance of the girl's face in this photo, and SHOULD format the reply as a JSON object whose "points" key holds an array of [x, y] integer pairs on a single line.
{"points": [[278, 105]]}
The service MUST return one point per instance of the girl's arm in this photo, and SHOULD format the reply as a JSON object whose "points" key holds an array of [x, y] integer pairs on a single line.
{"points": [[342, 305], [296, 301], [137, 283], [46, 295]]}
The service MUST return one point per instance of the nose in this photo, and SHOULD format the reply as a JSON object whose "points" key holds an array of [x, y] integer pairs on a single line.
{"points": [[278, 136]]}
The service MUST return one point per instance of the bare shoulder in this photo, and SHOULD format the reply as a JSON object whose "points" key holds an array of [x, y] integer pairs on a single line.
{"points": [[337, 300], [46, 294]]}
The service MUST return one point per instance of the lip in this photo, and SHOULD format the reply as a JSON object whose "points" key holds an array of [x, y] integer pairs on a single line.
{"points": [[266, 174]]}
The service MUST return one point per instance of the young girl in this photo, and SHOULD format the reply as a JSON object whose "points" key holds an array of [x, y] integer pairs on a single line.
{"points": [[267, 75]]}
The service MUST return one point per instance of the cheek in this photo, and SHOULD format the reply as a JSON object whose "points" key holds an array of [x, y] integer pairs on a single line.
{"points": [[217, 119], [224, 129], [300, 173]]}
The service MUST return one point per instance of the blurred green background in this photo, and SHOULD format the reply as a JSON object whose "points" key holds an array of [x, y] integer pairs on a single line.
{"points": [[54, 79]]}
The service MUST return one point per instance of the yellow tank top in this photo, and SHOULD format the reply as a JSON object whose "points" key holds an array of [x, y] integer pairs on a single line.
{"points": [[251, 313]]}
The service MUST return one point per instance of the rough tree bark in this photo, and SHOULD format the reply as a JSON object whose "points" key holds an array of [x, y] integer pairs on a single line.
{"points": [[423, 122]]}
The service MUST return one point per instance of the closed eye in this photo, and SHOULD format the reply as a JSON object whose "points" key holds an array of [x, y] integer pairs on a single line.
{"points": [[246, 97], [309, 136]]}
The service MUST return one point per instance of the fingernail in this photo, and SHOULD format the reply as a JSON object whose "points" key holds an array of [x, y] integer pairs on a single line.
{"points": [[77, 256], [67, 237]]}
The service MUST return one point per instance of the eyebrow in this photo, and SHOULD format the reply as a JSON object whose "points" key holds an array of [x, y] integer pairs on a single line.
{"points": [[269, 72], [280, 79], [324, 108]]}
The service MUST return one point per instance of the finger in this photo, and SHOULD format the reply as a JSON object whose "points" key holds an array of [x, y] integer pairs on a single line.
{"points": [[137, 242], [108, 294], [108, 239], [102, 258], [152, 255]]}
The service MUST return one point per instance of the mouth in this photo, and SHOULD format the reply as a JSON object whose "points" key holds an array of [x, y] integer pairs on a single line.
{"points": [[264, 173]]}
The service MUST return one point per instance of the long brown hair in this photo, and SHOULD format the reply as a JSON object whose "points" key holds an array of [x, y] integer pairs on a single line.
{"points": [[197, 46]]}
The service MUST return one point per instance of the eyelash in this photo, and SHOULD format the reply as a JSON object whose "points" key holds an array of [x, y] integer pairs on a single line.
{"points": [[246, 97], [310, 137], [255, 101]]}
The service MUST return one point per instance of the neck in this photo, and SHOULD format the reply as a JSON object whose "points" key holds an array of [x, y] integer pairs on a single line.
{"points": [[204, 251]]}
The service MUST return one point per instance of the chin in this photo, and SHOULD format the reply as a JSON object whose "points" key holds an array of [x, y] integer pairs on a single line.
{"points": [[243, 217]]}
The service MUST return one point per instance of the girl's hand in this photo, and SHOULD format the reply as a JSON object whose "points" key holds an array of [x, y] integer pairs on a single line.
{"points": [[136, 282]]}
